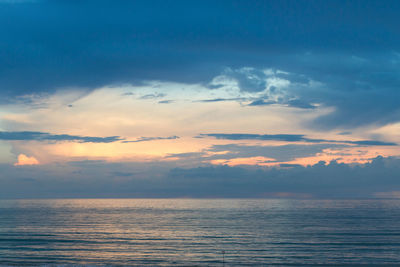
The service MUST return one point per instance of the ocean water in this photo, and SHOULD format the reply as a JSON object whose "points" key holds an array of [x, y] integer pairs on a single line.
{"points": [[189, 232]]}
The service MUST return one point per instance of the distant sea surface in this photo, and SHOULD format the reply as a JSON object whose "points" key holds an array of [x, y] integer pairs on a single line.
{"points": [[191, 232]]}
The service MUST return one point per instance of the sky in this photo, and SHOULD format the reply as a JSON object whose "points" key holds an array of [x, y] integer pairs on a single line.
{"points": [[296, 99]]}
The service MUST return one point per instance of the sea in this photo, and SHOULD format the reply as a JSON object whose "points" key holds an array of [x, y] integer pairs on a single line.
{"points": [[199, 232]]}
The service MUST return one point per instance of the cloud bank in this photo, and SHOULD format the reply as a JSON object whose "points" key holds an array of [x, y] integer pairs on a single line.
{"points": [[101, 179]]}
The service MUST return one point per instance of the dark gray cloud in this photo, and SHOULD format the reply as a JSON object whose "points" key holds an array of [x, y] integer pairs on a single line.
{"points": [[102, 179], [145, 139], [40, 136], [292, 138]]}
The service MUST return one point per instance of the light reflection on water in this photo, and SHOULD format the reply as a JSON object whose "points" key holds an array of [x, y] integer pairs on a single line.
{"points": [[195, 232]]}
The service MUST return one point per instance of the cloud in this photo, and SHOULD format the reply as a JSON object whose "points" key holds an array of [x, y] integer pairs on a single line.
{"points": [[54, 52], [261, 102], [281, 153], [228, 152], [165, 101], [249, 79], [194, 155], [388, 194], [25, 160], [41, 136], [238, 136], [288, 165], [292, 138], [128, 94], [359, 92], [221, 99], [303, 65], [296, 103], [153, 96], [123, 174], [379, 178], [145, 139], [293, 103], [371, 143], [268, 86], [325, 180]]}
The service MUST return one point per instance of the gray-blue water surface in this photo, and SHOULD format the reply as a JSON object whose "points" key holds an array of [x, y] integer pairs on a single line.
{"points": [[190, 232]]}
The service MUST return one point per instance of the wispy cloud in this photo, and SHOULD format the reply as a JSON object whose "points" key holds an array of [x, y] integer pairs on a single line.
{"points": [[153, 96], [262, 102], [41, 136], [283, 153], [145, 139], [293, 103], [222, 99], [166, 101], [276, 154], [292, 138], [239, 136]]}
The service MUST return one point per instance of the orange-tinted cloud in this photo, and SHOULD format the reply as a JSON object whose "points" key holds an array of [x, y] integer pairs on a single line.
{"points": [[25, 160]]}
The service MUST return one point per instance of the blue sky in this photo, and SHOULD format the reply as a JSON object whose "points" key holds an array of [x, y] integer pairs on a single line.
{"points": [[272, 86]]}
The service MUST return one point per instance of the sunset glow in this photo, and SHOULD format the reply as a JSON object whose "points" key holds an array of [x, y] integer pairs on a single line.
{"points": [[142, 101]]}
